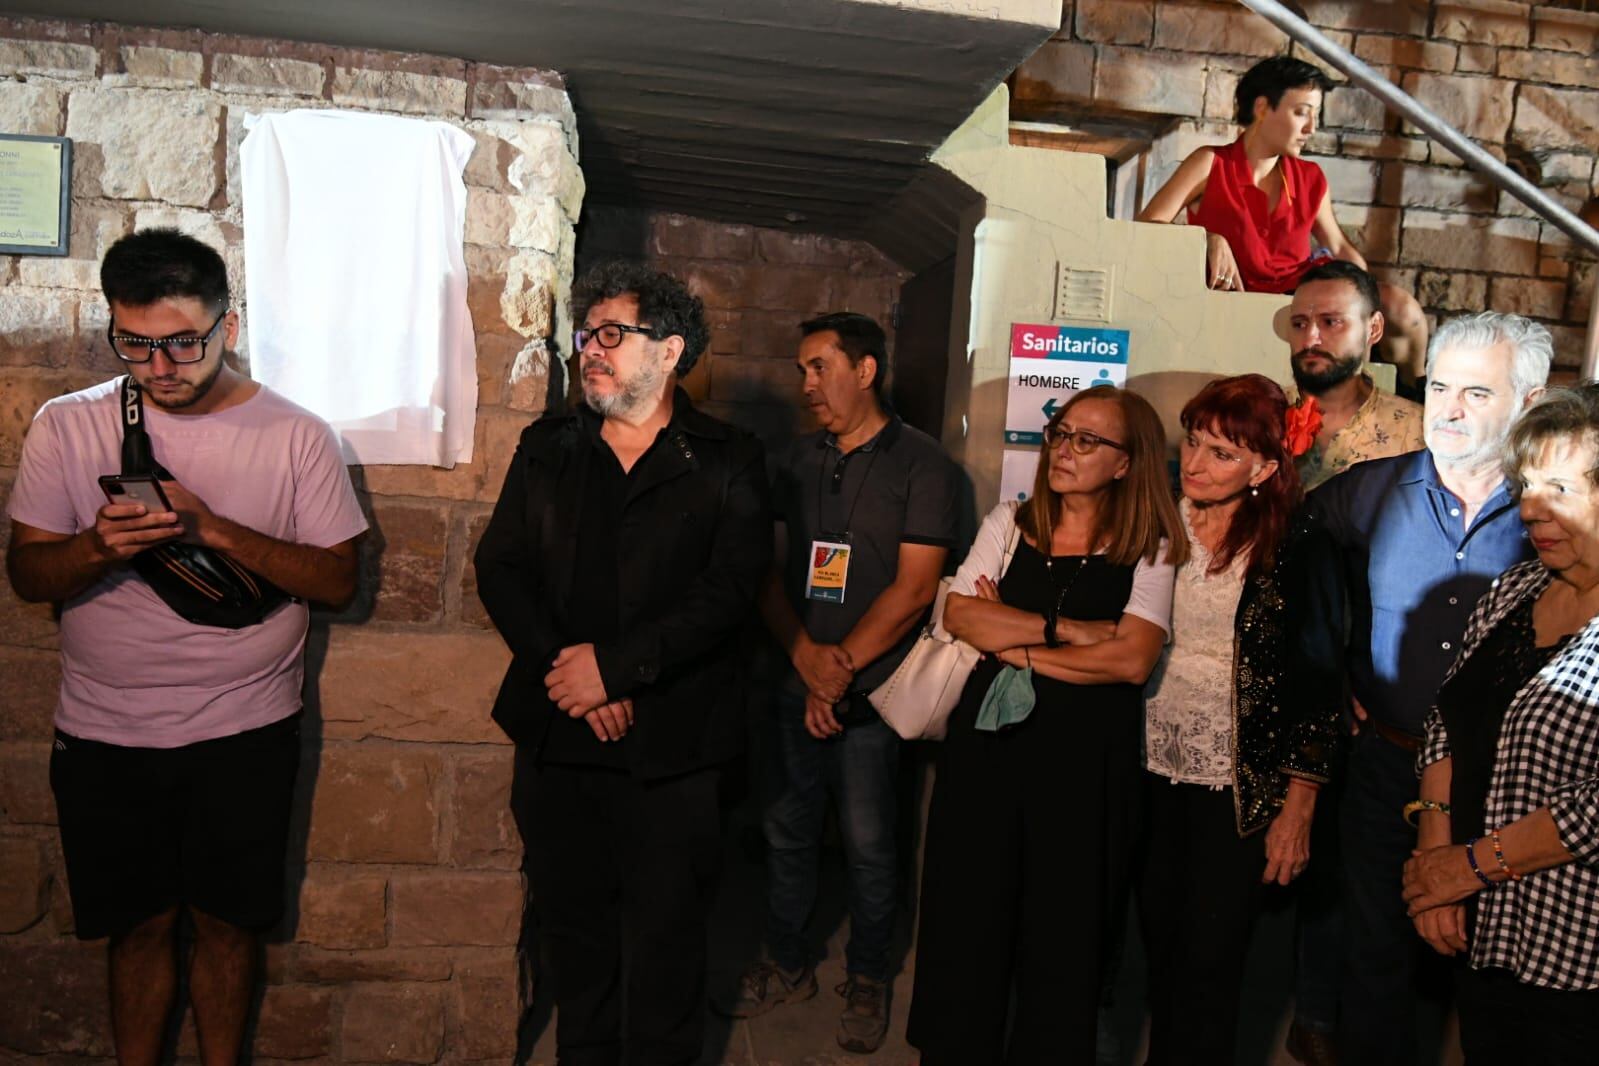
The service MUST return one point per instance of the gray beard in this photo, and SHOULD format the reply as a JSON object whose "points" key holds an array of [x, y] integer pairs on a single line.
{"points": [[635, 392], [1478, 456]]}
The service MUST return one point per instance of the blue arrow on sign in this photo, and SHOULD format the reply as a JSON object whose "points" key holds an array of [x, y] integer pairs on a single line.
{"points": [[1050, 408]]}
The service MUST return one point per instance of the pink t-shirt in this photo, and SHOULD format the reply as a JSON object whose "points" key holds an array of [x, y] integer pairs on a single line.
{"points": [[132, 671]]}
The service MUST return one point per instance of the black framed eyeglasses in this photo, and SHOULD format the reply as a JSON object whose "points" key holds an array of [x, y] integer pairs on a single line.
{"points": [[1082, 442], [132, 348], [608, 335]]}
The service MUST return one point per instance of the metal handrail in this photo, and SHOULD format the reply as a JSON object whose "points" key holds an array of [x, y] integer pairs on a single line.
{"points": [[1419, 115]]}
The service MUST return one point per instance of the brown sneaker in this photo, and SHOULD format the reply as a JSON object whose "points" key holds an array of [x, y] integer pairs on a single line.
{"points": [[864, 1023], [1313, 1047], [766, 985]]}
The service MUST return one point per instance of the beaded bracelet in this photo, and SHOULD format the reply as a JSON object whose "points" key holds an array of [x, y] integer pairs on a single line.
{"points": [[1499, 857], [1471, 857], [1415, 807]]}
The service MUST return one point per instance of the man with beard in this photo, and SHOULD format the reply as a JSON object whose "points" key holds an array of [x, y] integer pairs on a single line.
{"points": [[621, 565], [176, 744], [1333, 323], [875, 498], [1423, 535], [1345, 419]]}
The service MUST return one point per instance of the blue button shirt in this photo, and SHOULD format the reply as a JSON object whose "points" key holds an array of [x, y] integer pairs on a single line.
{"points": [[1415, 572]]}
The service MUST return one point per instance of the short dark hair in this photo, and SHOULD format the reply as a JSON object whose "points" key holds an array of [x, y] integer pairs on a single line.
{"points": [[858, 336], [1271, 78], [1571, 413], [154, 264], [1339, 270], [664, 304]]}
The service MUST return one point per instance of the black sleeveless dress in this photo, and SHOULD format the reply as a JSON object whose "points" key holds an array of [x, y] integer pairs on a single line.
{"points": [[1029, 842]]}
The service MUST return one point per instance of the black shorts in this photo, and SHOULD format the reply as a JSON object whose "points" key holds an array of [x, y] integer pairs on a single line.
{"points": [[207, 825]]}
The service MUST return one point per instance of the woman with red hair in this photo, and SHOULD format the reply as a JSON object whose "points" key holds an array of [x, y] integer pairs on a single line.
{"points": [[1240, 715]]}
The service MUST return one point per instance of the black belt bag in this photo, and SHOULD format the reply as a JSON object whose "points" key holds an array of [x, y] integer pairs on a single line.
{"points": [[201, 584]]}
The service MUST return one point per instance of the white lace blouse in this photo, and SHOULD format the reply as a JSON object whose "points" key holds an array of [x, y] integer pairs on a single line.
{"points": [[1188, 708]]}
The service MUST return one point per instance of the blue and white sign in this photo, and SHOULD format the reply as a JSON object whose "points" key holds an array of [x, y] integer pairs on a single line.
{"points": [[1047, 365]]}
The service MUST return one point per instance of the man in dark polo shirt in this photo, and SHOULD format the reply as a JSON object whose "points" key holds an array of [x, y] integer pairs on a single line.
{"points": [[869, 509]]}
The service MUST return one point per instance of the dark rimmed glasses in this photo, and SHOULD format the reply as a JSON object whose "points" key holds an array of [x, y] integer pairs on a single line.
{"points": [[1082, 442], [182, 348], [608, 335]]}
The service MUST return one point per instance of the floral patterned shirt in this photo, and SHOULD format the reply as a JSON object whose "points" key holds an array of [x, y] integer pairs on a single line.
{"points": [[1385, 425]]}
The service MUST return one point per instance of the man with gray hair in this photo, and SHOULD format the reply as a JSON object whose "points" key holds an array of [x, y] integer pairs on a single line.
{"points": [[1422, 536]]}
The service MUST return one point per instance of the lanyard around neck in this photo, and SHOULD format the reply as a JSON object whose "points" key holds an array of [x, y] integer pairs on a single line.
{"points": [[838, 473]]}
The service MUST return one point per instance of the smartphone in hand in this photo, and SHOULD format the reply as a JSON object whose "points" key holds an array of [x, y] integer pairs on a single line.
{"points": [[127, 488]]}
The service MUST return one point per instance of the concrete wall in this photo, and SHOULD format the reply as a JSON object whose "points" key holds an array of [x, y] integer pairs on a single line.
{"points": [[758, 286], [1523, 79], [405, 890], [1041, 211]]}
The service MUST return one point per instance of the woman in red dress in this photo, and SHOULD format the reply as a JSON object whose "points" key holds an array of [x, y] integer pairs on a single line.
{"points": [[1260, 203]]}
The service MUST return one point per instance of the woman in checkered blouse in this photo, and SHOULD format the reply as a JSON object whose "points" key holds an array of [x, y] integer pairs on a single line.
{"points": [[1507, 869]]}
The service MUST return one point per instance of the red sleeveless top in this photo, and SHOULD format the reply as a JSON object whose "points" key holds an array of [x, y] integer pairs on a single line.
{"points": [[1272, 247]]}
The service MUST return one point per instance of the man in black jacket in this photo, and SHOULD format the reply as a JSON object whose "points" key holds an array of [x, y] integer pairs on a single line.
{"points": [[620, 565]]}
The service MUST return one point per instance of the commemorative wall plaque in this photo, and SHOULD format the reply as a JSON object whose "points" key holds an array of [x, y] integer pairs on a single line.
{"points": [[35, 194]]}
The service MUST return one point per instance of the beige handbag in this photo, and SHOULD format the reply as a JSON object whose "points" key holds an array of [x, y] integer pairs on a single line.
{"points": [[919, 695]]}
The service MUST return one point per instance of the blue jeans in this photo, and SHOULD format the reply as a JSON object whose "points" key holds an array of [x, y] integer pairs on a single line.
{"points": [[859, 770], [1386, 963]]}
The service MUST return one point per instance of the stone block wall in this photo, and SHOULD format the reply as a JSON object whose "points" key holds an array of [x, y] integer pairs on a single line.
{"points": [[1522, 79], [405, 895], [758, 286]]}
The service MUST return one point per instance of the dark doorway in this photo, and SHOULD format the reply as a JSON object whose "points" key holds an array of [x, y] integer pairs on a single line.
{"points": [[921, 355]]}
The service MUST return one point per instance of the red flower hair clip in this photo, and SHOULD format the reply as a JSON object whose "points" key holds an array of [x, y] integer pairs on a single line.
{"points": [[1303, 423]]}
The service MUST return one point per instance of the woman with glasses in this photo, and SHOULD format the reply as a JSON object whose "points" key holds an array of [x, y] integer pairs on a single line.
{"points": [[1030, 833], [1240, 716], [1507, 871]]}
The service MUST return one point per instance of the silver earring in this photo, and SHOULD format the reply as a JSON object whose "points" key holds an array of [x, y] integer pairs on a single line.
{"points": [[1254, 490]]}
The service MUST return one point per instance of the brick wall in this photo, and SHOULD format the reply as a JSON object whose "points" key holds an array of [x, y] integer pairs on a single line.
{"points": [[758, 286], [1522, 79], [406, 892]]}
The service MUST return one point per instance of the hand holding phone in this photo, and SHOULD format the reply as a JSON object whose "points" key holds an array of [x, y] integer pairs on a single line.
{"points": [[120, 537], [128, 488]]}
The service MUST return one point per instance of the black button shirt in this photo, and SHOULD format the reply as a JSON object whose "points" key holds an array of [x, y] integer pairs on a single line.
{"points": [[593, 610]]}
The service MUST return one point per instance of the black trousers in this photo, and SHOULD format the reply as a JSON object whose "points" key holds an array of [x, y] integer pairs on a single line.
{"points": [[1199, 892], [623, 876], [1503, 1020], [1029, 847]]}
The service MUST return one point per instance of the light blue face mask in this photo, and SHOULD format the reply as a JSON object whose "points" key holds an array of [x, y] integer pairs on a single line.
{"points": [[1009, 699]]}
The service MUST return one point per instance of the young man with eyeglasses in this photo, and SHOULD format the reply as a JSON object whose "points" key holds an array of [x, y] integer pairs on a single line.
{"points": [[868, 507], [621, 566], [177, 744]]}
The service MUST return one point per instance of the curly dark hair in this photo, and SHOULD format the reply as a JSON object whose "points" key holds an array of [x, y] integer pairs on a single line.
{"points": [[1271, 78], [664, 304], [154, 264]]}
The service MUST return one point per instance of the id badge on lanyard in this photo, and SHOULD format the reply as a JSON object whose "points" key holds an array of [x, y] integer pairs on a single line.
{"points": [[828, 573]]}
